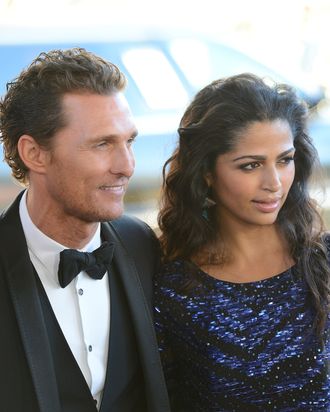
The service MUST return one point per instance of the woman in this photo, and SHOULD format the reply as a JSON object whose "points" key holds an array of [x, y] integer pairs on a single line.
{"points": [[241, 304]]}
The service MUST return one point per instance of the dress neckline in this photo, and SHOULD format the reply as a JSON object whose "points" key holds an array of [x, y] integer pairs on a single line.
{"points": [[254, 283]]}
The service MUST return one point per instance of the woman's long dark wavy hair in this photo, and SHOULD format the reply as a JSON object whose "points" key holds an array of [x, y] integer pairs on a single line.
{"points": [[211, 126]]}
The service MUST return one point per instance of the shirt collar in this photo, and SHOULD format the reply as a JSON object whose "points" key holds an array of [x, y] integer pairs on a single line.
{"points": [[45, 249]]}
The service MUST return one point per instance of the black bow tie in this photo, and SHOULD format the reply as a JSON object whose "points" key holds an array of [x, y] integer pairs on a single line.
{"points": [[73, 262]]}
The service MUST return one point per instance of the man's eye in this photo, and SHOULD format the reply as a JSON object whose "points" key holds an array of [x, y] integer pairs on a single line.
{"points": [[131, 141], [102, 144]]}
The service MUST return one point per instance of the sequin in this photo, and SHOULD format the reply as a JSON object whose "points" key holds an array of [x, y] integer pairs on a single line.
{"points": [[239, 347]]}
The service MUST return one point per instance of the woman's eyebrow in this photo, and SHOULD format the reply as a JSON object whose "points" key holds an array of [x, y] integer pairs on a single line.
{"points": [[292, 149], [260, 157], [254, 157]]}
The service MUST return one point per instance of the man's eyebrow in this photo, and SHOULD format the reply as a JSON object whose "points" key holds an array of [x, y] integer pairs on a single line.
{"points": [[260, 157], [114, 136]]}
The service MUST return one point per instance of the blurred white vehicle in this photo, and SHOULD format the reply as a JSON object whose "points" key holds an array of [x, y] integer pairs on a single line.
{"points": [[163, 72]]}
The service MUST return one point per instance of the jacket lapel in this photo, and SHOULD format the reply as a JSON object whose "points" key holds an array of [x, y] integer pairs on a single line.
{"points": [[22, 287], [142, 321]]}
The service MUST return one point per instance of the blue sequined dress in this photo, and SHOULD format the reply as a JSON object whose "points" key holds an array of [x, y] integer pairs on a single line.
{"points": [[239, 347]]}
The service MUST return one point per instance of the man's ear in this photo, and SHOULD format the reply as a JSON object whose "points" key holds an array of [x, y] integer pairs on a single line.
{"points": [[32, 154]]}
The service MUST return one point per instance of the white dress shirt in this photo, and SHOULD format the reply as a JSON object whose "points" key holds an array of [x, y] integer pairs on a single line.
{"points": [[82, 309]]}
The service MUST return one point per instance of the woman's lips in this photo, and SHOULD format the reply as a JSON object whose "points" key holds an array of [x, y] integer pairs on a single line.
{"points": [[268, 206]]}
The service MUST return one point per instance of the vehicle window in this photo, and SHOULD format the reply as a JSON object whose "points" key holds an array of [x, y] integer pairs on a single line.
{"points": [[204, 61], [193, 58], [155, 78]]}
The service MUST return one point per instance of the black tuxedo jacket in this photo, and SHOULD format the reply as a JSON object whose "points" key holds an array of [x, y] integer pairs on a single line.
{"points": [[27, 370]]}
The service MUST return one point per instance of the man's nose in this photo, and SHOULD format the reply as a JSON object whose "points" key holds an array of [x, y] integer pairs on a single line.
{"points": [[122, 162]]}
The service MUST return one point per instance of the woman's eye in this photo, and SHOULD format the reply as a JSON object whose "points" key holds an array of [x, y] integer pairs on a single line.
{"points": [[250, 166], [287, 160]]}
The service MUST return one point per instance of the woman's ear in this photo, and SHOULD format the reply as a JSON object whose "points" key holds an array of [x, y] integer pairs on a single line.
{"points": [[31, 153], [208, 179]]}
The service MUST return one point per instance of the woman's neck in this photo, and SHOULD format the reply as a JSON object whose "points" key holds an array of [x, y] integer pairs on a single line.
{"points": [[248, 255]]}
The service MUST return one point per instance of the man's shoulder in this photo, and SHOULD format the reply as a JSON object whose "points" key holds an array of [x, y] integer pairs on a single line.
{"points": [[11, 211], [4, 214], [131, 227], [9, 218], [12, 239], [136, 237], [140, 243]]}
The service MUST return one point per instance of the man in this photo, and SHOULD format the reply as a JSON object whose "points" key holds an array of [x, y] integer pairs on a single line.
{"points": [[77, 334]]}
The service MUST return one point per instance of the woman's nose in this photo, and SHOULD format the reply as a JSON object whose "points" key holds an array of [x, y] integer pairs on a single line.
{"points": [[272, 180]]}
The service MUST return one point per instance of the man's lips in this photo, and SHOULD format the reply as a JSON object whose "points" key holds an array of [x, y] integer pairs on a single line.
{"points": [[115, 188]]}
